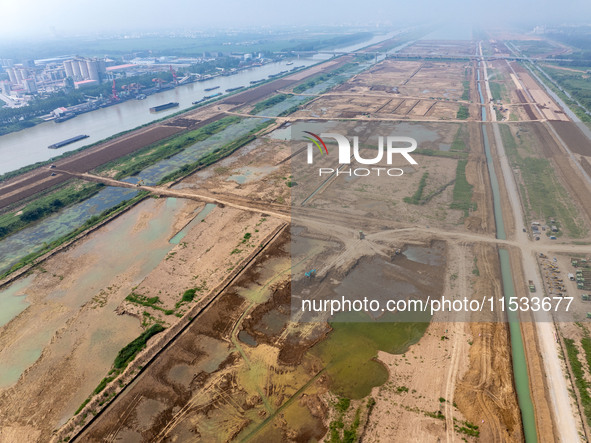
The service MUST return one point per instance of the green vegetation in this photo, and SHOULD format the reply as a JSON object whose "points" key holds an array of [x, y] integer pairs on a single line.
{"points": [[580, 382], [349, 435], [417, 196], [467, 428], [583, 96], [84, 403], [475, 270], [462, 192], [92, 221], [135, 162], [260, 106], [128, 353], [124, 357], [458, 144], [496, 89], [189, 295], [343, 404], [463, 113], [444, 154], [44, 206], [139, 299], [148, 302], [103, 384], [466, 93], [215, 155], [320, 78], [544, 197]]}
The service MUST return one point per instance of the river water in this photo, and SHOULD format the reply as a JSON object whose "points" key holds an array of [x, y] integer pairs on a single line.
{"points": [[29, 146], [32, 238]]}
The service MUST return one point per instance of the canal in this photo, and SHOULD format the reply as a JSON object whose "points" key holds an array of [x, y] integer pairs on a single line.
{"points": [[520, 374]]}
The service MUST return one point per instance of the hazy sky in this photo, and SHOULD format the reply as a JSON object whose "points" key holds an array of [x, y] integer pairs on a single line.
{"points": [[26, 18]]}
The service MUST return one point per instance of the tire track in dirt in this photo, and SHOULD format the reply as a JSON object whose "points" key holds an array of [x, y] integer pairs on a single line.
{"points": [[457, 347]]}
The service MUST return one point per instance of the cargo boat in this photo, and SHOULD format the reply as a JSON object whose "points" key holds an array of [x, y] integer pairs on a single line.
{"points": [[68, 141], [163, 107], [207, 97], [64, 117], [234, 89], [211, 89]]}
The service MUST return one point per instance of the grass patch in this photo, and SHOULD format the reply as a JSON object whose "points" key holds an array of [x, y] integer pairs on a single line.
{"points": [[415, 199], [458, 144], [135, 162], [92, 221], [125, 356], [496, 89], [272, 101], [466, 93], [128, 353], [545, 197], [462, 192], [320, 79], [46, 205], [463, 113], [577, 368], [215, 155]]}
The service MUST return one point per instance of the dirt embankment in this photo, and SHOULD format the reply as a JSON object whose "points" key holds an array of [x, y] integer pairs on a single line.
{"points": [[486, 394], [535, 366], [209, 382], [482, 219]]}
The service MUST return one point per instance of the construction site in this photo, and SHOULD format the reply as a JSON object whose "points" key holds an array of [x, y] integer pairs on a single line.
{"points": [[179, 318]]}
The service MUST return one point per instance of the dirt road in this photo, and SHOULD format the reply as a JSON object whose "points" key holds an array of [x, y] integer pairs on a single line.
{"points": [[561, 405]]}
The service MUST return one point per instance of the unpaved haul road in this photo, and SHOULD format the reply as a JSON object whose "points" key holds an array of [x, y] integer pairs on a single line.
{"points": [[559, 395]]}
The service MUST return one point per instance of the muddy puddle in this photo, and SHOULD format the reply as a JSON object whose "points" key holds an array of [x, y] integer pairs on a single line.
{"points": [[122, 253], [247, 174], [201, 215], [12, 300]]}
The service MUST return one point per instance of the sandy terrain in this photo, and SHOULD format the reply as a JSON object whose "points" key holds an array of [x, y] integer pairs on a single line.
{"points": [[242, 368]]}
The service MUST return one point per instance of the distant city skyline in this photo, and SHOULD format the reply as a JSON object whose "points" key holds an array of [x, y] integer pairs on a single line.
{"points": [[60, 18]]}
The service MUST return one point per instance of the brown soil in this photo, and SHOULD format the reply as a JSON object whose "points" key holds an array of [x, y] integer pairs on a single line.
{"points": [[486, 395], [574, 138], [535, 366], [190, 391]]}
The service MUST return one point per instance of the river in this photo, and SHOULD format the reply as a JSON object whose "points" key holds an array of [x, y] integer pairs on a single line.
{"points": [[29, 146]]}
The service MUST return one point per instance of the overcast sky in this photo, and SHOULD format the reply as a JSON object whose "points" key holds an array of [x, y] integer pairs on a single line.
{"points": [[28, 18]]}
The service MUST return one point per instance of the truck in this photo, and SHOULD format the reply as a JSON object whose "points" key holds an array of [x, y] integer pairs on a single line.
{"points": [[532, 287]]}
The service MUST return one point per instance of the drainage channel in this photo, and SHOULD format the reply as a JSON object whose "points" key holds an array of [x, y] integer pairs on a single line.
{"points": [[517, 351]]}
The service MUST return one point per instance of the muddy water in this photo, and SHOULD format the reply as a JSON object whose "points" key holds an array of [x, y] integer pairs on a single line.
{"points": [[247, 174], [351, 347], [198, 219], [12, 300], [30, 240], [124, 247]]}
